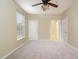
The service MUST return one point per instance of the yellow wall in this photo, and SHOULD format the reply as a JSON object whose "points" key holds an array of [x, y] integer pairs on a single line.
{"points": [[8, 40], [54, 30]]}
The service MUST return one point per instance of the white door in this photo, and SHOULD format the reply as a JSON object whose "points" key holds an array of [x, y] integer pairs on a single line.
{"points": [[64, 29], [33, 29]]}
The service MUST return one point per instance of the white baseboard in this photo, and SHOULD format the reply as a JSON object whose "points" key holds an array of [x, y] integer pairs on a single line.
{"points": [[4, 57], [73, 47]]}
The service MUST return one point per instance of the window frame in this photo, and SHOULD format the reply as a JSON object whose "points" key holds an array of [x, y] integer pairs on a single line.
{"points": [[22, 36]]}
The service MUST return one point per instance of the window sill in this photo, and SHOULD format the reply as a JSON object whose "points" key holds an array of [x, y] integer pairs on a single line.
{"points": [[20, 38]]}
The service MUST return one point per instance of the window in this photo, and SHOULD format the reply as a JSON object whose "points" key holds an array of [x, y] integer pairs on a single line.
{"points": [[20, 26]]}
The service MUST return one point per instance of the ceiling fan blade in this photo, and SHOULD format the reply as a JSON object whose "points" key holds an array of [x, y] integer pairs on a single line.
{"points": [[37, 4], [48, 0], [54, 5]]}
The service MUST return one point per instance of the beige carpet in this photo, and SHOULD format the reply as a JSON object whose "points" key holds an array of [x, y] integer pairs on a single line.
{"points": [[44, 50]]}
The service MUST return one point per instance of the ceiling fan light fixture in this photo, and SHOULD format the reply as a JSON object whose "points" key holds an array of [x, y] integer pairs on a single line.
{"points": [[45, 4], [45, 7]]}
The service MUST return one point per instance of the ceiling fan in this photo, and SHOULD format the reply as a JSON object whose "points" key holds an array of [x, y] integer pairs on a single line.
{"points": [[46, 3]]}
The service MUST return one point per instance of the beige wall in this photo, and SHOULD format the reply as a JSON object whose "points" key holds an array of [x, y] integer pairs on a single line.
{"points": [[72, 13], [8, 28], [44, 24]]}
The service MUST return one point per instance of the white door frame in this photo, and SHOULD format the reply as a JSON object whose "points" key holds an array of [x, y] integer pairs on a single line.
{"points": [[33, 29], [64, 29], [59, 29], [58, 25]]}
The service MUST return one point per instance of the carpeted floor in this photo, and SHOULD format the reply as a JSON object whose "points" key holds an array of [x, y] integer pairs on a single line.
{"points": [[39, 49]]}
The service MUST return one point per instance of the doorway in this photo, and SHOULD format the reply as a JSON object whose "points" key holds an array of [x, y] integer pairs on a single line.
{"points": [[64, 29], [55, 30], [33, 29], [59, 29]]}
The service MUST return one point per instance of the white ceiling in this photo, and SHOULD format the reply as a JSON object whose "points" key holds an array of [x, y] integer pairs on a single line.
{"points": [[27, 6]]}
